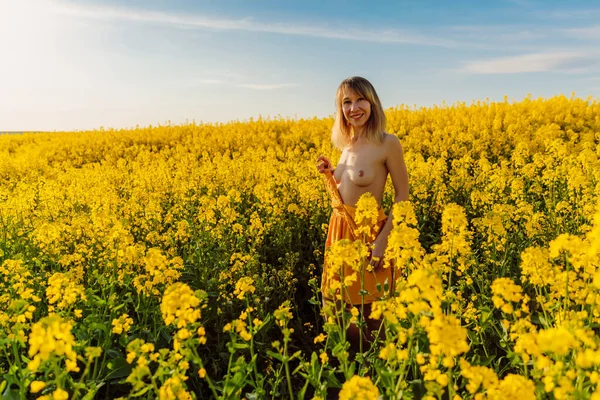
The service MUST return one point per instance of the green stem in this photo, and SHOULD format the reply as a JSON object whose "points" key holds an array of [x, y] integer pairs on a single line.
{"points": [[287, 365], [85, 373], [231, 352], [252, 354], [211, 385]]}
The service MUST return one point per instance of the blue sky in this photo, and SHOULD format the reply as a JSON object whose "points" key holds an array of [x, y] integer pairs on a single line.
{"points": [[83, 64]]}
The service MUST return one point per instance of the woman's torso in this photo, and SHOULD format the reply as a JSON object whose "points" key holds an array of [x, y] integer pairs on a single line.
{"points": [[362, 169]]}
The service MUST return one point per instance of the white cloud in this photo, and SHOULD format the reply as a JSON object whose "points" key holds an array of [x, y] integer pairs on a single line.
{"points": [[587, 33], [499, 33], [573, 62], [258, 86], [245, 24], [211, 82], [233, 83], [568, 13]]}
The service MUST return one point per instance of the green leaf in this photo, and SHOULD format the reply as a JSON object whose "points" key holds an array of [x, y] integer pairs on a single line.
{"points": [[92, 393], [276, 356], [418, 387], [237, 345], [339, 348], [297, 369], [113, 353], [11, 394], [166, 336], [486, 313], [120, 370], [352, 368], [296, 355], [142, 392], [96, 326], [267, 322], [98, 301], [117, 308], [302, 391], [332, 380]]}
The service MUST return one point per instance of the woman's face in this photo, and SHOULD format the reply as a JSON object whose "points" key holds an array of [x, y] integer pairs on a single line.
{"points": [[356, 108]]}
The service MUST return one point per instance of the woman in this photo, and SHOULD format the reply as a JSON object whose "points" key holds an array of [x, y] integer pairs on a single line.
{"points": [[369, 154]]}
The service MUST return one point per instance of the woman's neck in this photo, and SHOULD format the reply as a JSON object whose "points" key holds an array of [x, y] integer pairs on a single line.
{"points": [[357, 133]]}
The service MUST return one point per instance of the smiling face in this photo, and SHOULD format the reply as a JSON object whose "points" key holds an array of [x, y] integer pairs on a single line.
{"points": [[358, 113], [356, 109]]}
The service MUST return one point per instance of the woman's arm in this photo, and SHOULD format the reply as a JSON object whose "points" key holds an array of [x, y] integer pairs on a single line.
{"points": [[324, 164], [397, 169]]}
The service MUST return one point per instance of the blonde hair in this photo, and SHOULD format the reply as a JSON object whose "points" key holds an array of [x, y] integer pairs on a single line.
{"points": [[341, 133]]}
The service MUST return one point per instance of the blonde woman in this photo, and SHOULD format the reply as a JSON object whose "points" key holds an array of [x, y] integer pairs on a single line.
{"points": [[369, 154]]}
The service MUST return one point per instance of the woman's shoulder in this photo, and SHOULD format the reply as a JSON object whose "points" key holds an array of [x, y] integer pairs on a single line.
{"points": [[391, 145], [390, 138]]}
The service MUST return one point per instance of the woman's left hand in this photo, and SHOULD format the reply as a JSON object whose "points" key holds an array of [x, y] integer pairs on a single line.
{"points": [[376, 258]]}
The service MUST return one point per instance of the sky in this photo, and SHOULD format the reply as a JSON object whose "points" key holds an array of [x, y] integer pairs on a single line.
{"points": [[86, 64]]}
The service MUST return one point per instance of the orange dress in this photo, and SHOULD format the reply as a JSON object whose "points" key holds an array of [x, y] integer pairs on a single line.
{"points": [[342, 226]]}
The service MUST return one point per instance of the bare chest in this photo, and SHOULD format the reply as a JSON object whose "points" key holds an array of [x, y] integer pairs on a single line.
{"points": [[363, 166]]}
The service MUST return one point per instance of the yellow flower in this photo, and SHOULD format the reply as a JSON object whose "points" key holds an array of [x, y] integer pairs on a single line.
{"points": [[320, 338], [36, 386], [392, 354], [324, 357], [367, 213], [505, 291], [359, 388], [244, 285], [60, 394], [180, 305], [63, 291], [130, 357], [559, 341], [478, 377], [93, 352], [442, 379], [283, 313], [147, 348], [512, 387], [122, 324], [51, 336], [446, 336], [202, 373], [174, 388], [183, 334]]}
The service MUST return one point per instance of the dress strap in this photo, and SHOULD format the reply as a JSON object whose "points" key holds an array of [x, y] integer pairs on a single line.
{"points": [[336, 199]]}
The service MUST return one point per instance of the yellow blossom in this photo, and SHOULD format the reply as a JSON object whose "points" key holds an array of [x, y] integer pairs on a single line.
{"points": [[359, 388], [36, 386]]}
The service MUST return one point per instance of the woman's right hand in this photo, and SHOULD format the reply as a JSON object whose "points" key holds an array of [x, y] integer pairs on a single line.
{"points": [[323, 164]]}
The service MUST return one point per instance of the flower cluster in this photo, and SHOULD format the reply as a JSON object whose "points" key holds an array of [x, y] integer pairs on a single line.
{"points": [[495, 259], [122, 324], [180, 305], [51, 337], [359, 388]]}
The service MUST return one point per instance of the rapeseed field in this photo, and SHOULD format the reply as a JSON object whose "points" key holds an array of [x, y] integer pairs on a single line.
{"points": [[181, 262]]}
